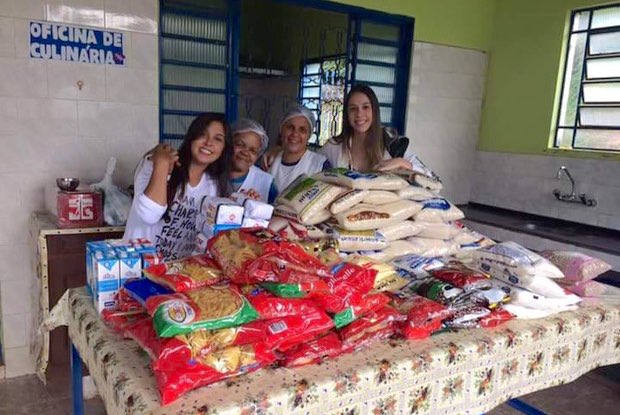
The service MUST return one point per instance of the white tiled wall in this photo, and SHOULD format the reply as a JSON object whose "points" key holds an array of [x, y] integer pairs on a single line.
{"points": [[446, 87], [526, 182], [51, 128]]}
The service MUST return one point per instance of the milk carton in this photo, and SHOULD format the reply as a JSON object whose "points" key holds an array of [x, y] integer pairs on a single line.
{"points": [[105, 279], [130, 264], [221, 211], [91, 248]]}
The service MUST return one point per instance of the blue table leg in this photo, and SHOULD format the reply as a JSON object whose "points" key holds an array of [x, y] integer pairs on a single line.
{"points": [[76, 381], [524, 408]]}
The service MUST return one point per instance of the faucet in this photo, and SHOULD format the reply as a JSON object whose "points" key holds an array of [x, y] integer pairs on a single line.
{"points": [[572, 197]]}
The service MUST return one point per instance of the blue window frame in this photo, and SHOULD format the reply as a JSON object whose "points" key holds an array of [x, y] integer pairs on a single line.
{"points": [[589, 115]]}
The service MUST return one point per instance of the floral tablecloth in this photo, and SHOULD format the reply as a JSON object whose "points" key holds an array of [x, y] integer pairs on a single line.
{"points": [[468, 372]]}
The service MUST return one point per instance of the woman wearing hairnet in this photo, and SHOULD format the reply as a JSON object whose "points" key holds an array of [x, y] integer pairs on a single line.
{"points": [[249, 142], [295, 158]]}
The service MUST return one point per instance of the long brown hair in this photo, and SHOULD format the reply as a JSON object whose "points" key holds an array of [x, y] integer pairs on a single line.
{"points": [[218, 170], [375, 147]]}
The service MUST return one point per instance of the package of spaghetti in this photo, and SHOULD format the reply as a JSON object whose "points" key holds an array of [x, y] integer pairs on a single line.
{"points": [[367, 304], [325, 249], [186, 274], [287, 332], [461, 276], [438, 210], [269, 306], [328, 346], [234, 250], [348, 286], [347, 200], [209, 308], [365, 216], [357, 180], [278, 260], [495, 318], [142, 332], [466, 315], [386, 279], [369, 324], [296, 284], [308, 197], [126, 303], [211, 368]]}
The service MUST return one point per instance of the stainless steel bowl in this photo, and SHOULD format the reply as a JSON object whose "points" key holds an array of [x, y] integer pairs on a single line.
{"points": [[67, 184]]}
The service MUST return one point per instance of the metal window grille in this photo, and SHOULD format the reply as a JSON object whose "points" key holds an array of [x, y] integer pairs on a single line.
{"points": [[589, 116]]}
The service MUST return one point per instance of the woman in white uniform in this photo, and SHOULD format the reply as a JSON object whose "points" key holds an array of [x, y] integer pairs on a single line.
{"points": [[295, 158], [249, 142]]}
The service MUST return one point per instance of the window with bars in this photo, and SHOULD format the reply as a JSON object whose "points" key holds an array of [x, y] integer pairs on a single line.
{"points": [[589, 116]]}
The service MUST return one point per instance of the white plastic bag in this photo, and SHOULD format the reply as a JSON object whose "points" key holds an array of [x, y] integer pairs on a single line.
{"points": [[116, 202]]}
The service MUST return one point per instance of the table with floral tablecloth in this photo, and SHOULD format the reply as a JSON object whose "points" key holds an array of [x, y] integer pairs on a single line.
{"points": [[465, 372]]}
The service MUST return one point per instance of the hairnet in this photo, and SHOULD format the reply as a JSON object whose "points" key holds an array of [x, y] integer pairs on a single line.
{"points": [[298, 110], [246, 125]]}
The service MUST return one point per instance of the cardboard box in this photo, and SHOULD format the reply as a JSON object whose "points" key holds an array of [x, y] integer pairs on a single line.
{"points": [[79, 209], [105, 279], [221, 211]]}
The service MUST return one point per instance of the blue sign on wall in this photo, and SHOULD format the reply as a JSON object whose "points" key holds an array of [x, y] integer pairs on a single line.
{"points": [[76, 44]]}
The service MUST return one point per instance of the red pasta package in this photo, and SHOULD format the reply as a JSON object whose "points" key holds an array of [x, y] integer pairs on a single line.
{"points": [[347, 287], [186, 274], [268, 306], [143, 333], [366, 304], [497, 317], [120, 320], [315, 351], [213, 367], [460, 276], [234, 250], [380, 321], [287, 332], [126, 303], [424, 316], [296, 284]]}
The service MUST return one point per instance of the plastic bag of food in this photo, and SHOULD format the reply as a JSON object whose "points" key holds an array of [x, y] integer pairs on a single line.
{"points": [[466, 316], [352, 241], [325, 250], [438, 210], [186, 274], [415, 192], [328, 346], [309, 197], [386, 279], [213, 367], [116, 202], [140, 290], [424, 316], [269, 306], [209, 308], [427, 247], [461, 276], [142, 332], [517, 259], [436, 290], [347, 287], [394, 249], [400, 230], [234, 250], [525, 298], [287, 332], [467, 236], [380, 197], [120, 320], [588, 288], [347, 200], [421, 176], [369, 324], [364, 216], [536, 284], [368, 303], [126, 303], [437, 230], [417, 265], [525, 313], [357, 180], [254, 209], [575, 266], [295, 284]]}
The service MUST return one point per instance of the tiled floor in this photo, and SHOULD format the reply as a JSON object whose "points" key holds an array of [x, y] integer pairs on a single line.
{"points": [[596, 393]]}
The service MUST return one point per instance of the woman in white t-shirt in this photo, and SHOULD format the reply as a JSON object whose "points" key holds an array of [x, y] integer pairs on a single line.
{"points": [[295, 158], [361, 144], [169, 186]]}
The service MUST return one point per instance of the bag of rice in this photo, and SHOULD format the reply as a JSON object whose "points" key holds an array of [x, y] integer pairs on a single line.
{"points": [[427, 179], [387, 279], [437, 230], [414, 192], [309, 197], [438, 210], [357, 180], [364, 217], [537, 284], [532, 300], [577, 267], [210, 308], [290, 214], [416, 265], [347, 200], [394, 249], [519, 260], [351, 241], [380, 197], [400, 230], [432, 247]]}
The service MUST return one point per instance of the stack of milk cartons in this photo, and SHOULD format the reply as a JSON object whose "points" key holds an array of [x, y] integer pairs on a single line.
{"points": [[218, 214], [111, 263]]}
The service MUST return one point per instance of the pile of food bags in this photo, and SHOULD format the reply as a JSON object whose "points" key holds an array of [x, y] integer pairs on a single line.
{"points": [[380, 215]]}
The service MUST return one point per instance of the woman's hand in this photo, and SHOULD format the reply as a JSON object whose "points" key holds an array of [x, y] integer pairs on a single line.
{"points": [[164, 156], [269, 157], [393, 164]]}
